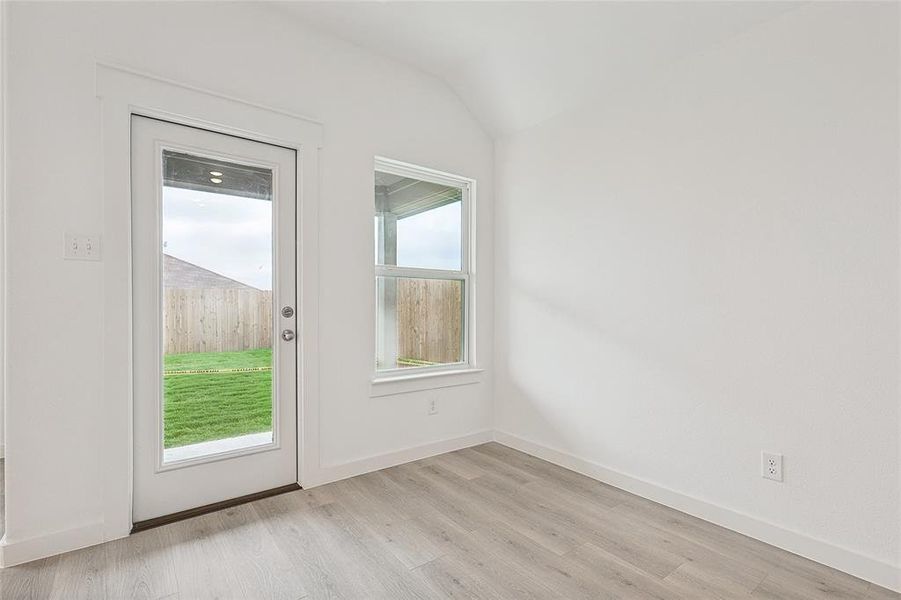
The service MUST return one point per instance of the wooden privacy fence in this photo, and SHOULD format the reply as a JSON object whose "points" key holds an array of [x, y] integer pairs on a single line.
{"points": [[429, 320], [216, 320]]}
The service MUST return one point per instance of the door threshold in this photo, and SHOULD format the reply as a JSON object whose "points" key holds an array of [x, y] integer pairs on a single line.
{"points": [[202, 510]]}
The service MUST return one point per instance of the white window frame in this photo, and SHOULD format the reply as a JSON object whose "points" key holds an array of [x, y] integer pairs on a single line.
{"points": [[466, 274]]}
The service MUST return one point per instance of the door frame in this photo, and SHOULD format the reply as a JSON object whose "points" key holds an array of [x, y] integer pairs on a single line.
{"points": [[124, 92]]}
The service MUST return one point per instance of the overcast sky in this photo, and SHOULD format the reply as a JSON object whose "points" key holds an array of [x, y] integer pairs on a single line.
{"points": [[430, 239], [226, 234], [233, 236]]}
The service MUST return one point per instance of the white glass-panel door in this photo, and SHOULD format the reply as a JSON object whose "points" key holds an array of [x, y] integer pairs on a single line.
{"points": [[213, 235]]}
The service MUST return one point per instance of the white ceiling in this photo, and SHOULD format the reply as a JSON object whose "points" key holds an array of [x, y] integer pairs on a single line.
{"points": [[516, 64]]}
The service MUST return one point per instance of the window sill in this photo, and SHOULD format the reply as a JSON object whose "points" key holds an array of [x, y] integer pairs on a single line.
{"points": [[417, 382]]}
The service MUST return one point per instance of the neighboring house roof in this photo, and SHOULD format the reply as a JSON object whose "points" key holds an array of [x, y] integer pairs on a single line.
{"points": [[178, 273]]}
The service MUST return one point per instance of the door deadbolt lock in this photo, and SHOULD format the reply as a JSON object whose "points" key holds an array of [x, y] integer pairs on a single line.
{"points": [[287, 335], [287, 312]]}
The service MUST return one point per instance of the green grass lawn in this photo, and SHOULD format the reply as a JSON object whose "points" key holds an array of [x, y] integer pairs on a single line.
{"points": [[199, 407]]}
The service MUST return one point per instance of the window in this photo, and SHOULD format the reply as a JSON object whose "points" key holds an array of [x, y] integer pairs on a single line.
{"points": [[422, 257]]}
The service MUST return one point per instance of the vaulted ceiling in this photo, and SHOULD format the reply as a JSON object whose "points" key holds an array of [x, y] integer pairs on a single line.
{"points": [[516, 64]]}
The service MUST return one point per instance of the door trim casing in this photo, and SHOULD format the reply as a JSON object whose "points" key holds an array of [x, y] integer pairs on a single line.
{"points": [[124, 92]]}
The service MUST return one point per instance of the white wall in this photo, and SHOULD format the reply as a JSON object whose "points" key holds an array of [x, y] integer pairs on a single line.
{"points": [[707, 267], [368, 106], [3, 36]]}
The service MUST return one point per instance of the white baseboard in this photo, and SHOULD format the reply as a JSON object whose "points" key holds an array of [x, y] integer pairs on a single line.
{"points": [[22, 551], [843, 559], [340, 471]]}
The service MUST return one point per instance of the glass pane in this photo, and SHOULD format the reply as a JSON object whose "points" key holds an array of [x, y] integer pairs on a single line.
{"points": [[217, 306], [417, 223], [420, 322]]}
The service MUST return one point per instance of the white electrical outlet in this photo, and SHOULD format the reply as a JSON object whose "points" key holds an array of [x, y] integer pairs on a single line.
{"points": [[82, 247], [771, 466], [433, 406]]}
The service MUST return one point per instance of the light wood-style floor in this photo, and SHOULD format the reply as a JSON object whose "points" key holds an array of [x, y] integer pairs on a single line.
{"points": [[486, 522]]}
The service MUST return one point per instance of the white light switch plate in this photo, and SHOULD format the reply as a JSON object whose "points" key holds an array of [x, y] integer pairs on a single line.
{"points": [[81, 246]]}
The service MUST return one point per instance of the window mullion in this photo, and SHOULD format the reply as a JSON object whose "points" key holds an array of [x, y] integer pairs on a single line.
{"points": [[415, 273]]}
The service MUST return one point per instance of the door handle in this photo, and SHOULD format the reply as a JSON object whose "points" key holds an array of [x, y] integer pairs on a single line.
{"points": [[287, 335]]}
